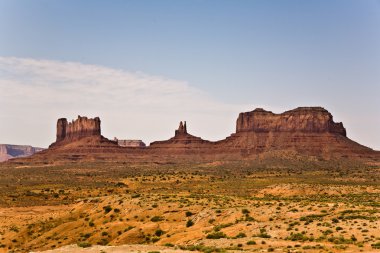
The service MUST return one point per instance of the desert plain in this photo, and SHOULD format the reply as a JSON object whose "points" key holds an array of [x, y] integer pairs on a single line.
{"points": [[216, 207], [273, 186]]}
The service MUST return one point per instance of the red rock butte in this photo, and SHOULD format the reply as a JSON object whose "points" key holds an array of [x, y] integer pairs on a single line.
{"points": [[302, 119], [306, 131], [77, 130]]}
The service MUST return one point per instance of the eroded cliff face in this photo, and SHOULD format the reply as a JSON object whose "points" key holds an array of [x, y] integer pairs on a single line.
{"points": [[181, 140], [182, 129], [301, 119], [61, 129], [77, 129]]}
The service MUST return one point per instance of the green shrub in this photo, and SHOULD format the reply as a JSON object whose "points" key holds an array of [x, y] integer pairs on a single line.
{"points": [[155, 239], [312, 217], [263, 233], [241, 235], [219, 227], [156, 218], [297, 237], [216, 235], [84, 244], [159, 232], [189, 223], [107, 209]]}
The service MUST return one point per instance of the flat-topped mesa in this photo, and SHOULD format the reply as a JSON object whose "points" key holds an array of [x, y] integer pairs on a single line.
{"points": [[130, 143], [77, 129], [301, 119]]}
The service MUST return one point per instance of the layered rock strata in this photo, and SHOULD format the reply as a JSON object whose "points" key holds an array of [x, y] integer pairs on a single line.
{"points": [[130, 143], [305, 130], [302, 119], [81, 128]]}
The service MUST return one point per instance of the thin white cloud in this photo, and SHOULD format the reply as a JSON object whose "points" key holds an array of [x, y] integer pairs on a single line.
{"points": [[34, 93]]}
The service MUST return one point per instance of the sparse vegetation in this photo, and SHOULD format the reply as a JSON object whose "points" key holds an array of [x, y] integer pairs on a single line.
{"points": [[216, 235], [156, 218], [255, 209], [189, 223]]}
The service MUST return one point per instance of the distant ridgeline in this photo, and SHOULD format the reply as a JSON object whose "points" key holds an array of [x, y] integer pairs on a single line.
{"points": [[8, 151], [129, 143], [307, 131]]}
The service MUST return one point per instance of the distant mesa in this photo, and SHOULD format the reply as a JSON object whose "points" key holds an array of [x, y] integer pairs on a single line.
{"points": [[8, 151], [307, 131], [302, 119], [130, 143]]}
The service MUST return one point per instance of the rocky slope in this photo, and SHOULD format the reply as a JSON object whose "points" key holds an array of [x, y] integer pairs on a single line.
{"points": [[8, 151]]}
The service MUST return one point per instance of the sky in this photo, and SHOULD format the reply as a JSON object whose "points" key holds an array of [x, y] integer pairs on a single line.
{"points": [[142, 66]]}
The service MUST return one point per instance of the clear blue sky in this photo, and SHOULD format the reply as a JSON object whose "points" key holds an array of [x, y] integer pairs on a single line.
{"points": [[279, 54]]}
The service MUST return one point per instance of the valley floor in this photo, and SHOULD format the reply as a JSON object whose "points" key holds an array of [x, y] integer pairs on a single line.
{"points": [[204, 208]]}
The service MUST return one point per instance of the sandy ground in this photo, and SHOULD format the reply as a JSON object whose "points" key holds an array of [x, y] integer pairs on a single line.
{"points": [[140, 249], [114, 249], [17, 215]]}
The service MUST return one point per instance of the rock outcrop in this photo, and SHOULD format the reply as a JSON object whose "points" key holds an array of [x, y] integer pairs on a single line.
{"points": [[77, 129], [8, 151], [181, 140], [182, 129], [301, 119], [307, 131]]}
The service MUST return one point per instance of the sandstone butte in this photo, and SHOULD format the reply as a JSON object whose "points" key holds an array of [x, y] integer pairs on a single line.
{"points": [[305, 131]]}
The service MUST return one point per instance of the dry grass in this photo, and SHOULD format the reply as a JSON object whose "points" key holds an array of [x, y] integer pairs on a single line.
{"points": [[301, 207]]}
